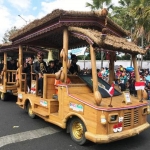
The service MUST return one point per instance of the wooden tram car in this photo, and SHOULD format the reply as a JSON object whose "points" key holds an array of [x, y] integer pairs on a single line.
{"points": [[82, 108]]}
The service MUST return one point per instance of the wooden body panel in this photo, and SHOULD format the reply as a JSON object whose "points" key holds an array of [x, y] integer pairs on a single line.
{"points": [[8, 82], [78, 100]]}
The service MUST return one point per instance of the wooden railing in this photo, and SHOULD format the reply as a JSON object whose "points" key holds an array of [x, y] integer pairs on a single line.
{"points": [[11, 76], [23, 82]]}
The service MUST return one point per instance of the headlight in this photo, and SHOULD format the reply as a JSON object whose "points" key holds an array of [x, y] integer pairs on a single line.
{"points": [[144, 111], [103, 119], [148, 109], [113, 118]]}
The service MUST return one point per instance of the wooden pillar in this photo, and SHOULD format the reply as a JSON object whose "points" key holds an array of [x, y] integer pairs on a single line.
{"points": [[94, 69], [137, 76], [111, 68], [65, 47], [4, 71], [44, 88], [20, 62]]}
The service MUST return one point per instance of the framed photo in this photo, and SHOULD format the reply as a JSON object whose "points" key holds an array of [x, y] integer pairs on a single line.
{"points": [[127, 98]]}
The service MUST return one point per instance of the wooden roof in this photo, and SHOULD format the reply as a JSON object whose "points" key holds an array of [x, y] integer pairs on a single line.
{"points": [[84, 28], [73, 18], [107, 41]]}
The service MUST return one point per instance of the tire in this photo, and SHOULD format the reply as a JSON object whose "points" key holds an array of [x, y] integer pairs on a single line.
{"points": [[77, 131], [29, 110]]}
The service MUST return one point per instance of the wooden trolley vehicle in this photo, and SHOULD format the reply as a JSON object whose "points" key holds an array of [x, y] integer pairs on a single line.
{"points": [[8, 73], [83, 107]]}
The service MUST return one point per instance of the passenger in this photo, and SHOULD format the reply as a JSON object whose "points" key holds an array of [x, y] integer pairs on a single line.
{"points": [[39, 67], [147, 87], [123, 81], [51, 67], [58, 65], [12, 65], [74, 68], [27, 69]]}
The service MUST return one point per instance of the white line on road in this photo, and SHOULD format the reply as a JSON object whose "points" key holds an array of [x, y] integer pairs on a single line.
{"points": [[28, 135]]}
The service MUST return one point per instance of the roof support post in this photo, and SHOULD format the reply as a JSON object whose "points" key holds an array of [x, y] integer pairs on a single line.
{"points": [[65, 47], [137, 76], [97, 95], [111, 67], [94, 70], [4, 70], [20, 65]]}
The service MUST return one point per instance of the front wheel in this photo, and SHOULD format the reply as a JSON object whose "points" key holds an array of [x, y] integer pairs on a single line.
{"points": [[77, 131], [30, 112]]}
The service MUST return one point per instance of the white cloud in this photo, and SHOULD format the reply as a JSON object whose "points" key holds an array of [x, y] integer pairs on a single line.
{"points": [[20, 4], [1, 1], [34, 8], [77, 5], [5, 18]]}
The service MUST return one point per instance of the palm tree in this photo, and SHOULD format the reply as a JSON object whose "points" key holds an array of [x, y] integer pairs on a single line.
{"points": [[141, 11], [99, 4]]}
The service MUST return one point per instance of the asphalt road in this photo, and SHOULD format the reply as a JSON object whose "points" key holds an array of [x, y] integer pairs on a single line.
{"points": [[19, 132]]}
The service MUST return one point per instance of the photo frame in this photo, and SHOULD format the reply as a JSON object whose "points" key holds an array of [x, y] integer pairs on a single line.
{"points": [[127, 98]]}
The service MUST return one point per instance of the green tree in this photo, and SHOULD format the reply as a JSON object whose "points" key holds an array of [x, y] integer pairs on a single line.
{"points": [[8, 33], [99, 4]]}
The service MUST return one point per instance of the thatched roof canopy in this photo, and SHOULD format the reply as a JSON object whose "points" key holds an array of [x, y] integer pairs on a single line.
{"points": [[88, 19], [8, 47], [108, 42]]}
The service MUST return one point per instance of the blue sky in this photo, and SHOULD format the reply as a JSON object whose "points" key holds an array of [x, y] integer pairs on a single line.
{"points": [[30, 10]]}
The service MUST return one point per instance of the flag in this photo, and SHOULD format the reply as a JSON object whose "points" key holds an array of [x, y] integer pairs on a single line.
{"points": [[139, 85], [111, 90]]}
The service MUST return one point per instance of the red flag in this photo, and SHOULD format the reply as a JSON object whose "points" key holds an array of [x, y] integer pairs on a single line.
{"points": [[111, 90], [139, 85]]}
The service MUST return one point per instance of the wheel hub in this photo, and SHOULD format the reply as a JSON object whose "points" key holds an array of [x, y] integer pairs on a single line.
{"points": [[30, 110], [77, 129]]}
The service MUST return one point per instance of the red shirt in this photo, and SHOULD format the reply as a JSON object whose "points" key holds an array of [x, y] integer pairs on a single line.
{"points": [[57, 82]]}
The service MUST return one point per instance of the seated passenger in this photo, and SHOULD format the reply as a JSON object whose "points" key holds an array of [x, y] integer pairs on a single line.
{"points": [[58, 64], [39, 67], [74, 68], [51, 67]]}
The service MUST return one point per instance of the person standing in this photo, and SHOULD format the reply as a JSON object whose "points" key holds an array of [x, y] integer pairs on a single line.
{"points": [[39, 67], [27, 69]]}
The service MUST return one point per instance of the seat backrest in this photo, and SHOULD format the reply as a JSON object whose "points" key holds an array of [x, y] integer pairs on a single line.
{"points": [[48, 86]]}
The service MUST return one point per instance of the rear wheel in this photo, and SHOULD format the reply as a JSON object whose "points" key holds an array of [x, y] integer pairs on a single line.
{"points": [[30, 112], [4, 96], [77, 131]]}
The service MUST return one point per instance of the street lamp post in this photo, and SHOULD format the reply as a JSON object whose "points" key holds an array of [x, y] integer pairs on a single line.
{"points": [[23, 18]]}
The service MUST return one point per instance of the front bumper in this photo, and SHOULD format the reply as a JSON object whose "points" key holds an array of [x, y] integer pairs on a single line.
{"points": [[116, 136]]}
